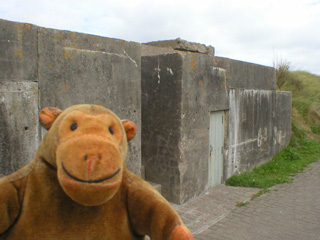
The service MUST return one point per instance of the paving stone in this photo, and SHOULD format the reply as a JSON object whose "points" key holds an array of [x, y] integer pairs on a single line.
{"points": [[292, 212], [199, 214]]}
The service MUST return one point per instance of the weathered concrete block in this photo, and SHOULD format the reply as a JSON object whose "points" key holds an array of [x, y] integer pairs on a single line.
{"points": [[178, 92], [19, 129], [259, 126], [77, 68], [246, 75], [18, 51]]}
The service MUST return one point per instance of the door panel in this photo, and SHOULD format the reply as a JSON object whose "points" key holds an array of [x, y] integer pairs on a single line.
{"points": [[216, 148]]}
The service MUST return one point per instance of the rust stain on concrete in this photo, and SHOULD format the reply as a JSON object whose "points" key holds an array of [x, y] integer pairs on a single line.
{"points": [[64, 88], [193, 63], [19, 53], [27, 26]]}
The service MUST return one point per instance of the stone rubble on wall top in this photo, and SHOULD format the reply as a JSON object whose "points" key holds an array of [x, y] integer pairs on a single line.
{"points": [[182, 45]]}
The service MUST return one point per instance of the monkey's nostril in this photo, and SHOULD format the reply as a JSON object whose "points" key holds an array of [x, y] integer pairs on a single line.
{"points": [[86, 157]]}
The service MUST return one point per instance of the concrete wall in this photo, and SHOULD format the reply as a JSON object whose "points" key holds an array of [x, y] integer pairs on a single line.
{"points": [[176, 105], [244, 75], [79, 68], [259, 126], [69, 68], [19, 128]]}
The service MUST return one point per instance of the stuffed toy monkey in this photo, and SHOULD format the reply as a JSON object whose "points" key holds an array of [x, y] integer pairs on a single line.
{"points": [[78, 187]]}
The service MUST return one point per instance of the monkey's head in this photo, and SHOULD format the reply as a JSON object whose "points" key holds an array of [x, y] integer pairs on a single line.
{"points": [[87, 144]]}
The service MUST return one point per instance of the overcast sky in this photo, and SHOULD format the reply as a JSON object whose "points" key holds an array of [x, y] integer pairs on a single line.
{"points": [[262, 32]]}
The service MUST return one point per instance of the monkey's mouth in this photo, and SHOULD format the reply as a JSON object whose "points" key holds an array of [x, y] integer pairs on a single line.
{"points": [[89, 181]]}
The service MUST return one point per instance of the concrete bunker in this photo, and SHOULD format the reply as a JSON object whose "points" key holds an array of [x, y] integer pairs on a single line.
{"points": [[201, 118], [205, 118]]}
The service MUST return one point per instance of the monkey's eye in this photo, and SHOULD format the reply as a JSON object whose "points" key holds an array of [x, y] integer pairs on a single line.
{"points": [[73, 126], [111, 130]]}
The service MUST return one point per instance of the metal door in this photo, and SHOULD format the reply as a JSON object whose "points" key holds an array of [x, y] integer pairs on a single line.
{"points": [[216, 148]]}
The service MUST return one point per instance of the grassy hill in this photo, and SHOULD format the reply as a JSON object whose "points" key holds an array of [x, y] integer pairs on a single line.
{"points": [[304, 147], [305, 88]]}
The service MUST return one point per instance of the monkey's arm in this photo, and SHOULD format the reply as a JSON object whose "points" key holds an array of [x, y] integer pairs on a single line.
{"points": [[9, 205], [152, 215]]}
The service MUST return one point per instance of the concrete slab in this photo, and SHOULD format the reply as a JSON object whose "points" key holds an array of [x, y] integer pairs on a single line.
{"points": [[245, 75], [19, 128], [77, 68], [258, 128], [18, 51], [161, 121]]}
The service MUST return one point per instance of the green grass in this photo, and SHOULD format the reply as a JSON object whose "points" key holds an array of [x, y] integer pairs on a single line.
{"points": [[294, 158], [258, 194], [305, 88], [304, 147]]}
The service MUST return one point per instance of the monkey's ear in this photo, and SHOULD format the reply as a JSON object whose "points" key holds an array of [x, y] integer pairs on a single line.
{"points": [[130, 128], [48, 115]]}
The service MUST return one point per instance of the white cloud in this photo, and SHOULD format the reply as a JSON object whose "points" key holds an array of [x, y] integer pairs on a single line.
{"points": [[248, 30]]}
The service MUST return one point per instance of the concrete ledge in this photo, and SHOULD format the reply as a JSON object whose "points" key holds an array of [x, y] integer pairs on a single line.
{"points": [[147, 50]]}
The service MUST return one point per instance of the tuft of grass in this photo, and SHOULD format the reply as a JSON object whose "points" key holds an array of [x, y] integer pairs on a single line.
{"points": [[258, 194], [282, 73], [242, 204]]}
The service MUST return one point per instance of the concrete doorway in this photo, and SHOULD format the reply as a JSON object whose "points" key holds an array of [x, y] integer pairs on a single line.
{"points": [[216, 142]]}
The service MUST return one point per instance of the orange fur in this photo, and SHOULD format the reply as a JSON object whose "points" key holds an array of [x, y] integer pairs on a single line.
{"points": [[78, 186]]}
